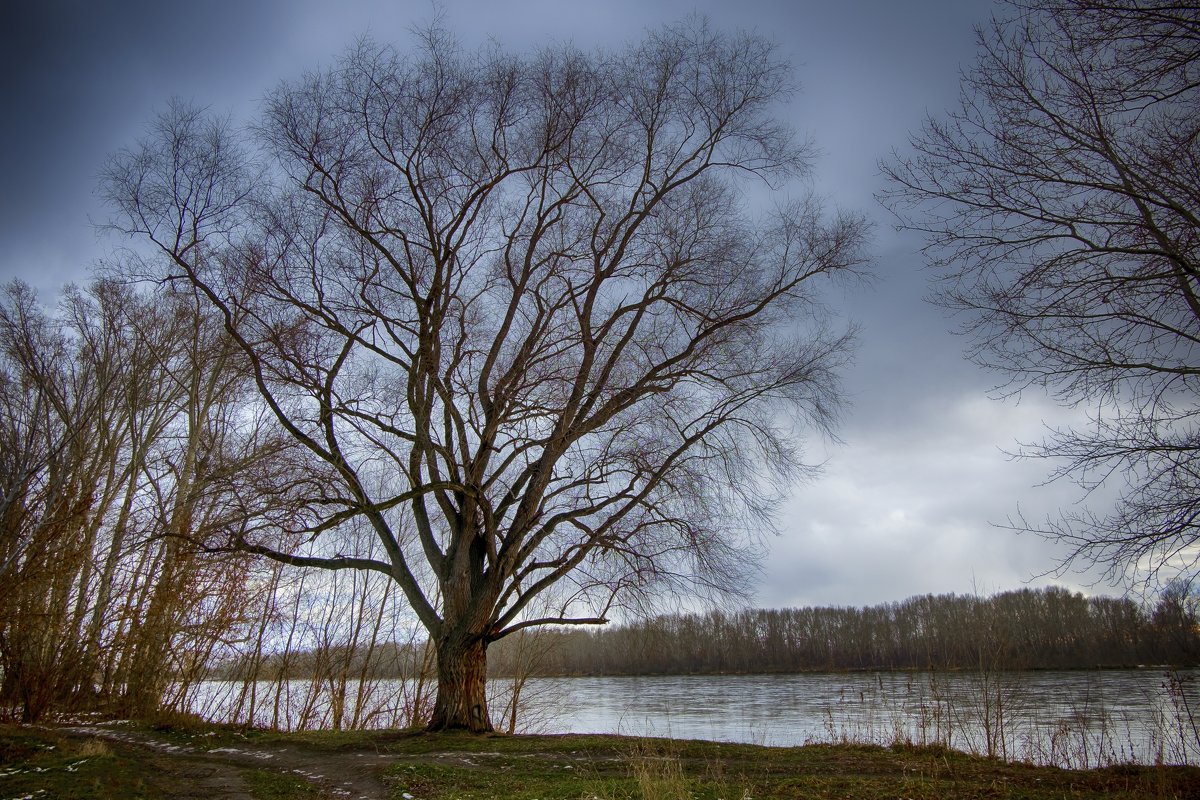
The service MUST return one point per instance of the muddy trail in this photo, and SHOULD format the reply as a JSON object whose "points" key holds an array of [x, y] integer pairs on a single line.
{"points": [[197, 772]]}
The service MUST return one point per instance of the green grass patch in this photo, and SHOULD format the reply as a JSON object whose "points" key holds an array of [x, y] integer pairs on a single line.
{"points": [[618, 768], [37, 763], [267, 785]]}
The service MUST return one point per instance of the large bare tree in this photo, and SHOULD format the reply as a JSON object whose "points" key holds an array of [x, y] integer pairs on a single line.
{"points": [[525, 311], [1062, 202]]}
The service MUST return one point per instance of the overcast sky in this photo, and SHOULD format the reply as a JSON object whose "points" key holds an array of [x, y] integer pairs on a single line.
{"points": [[909, 497]]}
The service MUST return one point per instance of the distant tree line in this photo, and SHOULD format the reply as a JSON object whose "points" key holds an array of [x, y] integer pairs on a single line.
{"points": [[1027, 629], [1048, 628]]}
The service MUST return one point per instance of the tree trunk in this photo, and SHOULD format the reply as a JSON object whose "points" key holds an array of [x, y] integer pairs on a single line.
{"points": [[462, 679]]}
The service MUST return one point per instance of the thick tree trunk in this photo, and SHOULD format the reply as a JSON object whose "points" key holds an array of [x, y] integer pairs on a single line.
{"points": [[462, 681]]}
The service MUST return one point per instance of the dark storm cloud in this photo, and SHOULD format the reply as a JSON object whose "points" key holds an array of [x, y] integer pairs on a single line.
{"points": [[906, 502], [79, 81]]}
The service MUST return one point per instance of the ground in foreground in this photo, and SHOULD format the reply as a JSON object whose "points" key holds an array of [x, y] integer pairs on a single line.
{"points": [[192, 761]]}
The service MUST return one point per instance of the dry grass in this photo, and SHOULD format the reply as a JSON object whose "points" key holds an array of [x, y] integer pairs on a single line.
{"points": [[93, 748]]}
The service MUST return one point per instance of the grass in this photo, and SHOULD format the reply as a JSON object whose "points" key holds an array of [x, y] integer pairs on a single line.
{"points": [[620, 768], [38, 763], [267, 785], [580, 767]]}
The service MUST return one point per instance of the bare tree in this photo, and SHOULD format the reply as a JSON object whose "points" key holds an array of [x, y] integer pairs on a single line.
{"points": [[127, 435], [1062, 202], [521, 308]]}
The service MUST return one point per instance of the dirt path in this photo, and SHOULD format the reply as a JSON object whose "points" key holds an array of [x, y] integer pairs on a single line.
{"points": [[198, 773]]}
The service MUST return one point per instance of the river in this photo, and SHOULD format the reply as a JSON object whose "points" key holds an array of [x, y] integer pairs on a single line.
{"points": [[1072, 719]]}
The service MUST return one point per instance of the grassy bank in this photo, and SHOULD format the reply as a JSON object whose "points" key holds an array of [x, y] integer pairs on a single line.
{"points": [[50, 763], [37, 762], [617, 768]]}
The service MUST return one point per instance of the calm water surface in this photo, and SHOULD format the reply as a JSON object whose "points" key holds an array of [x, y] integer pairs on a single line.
{"points": [[1075, 719], [1121, 715]]}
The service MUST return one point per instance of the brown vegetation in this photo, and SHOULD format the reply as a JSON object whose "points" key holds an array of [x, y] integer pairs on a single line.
{"points": [[122, 420]]}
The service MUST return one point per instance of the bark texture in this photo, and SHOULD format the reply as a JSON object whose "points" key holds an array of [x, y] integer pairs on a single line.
{"points": [[462, 690]]}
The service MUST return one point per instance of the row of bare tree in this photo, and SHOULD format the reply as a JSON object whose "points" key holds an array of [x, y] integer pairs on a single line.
{"points": [[134, 457], [131, 454], [1027, 629], [123, 413]]}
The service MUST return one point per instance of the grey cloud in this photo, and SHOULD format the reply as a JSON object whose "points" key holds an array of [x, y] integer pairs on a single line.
{"points": [[905, 505]]}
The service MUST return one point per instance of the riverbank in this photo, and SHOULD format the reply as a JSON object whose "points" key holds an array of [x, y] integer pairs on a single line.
{"points": [[190, 760]]}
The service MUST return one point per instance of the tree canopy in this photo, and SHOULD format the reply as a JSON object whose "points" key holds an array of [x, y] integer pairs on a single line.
{"points": [[519, 313]]}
